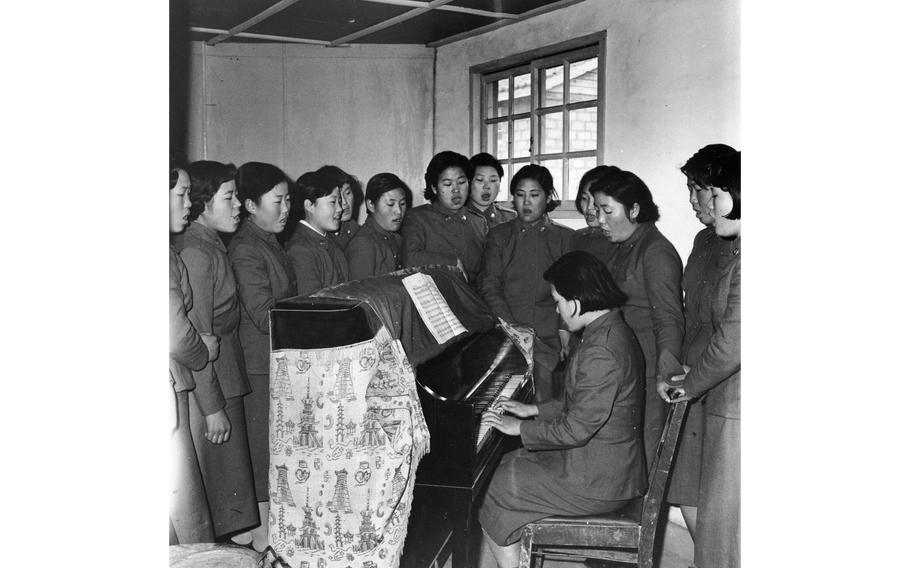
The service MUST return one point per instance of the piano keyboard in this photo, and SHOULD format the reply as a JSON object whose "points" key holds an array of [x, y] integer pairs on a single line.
{"points": [[505, 391]]}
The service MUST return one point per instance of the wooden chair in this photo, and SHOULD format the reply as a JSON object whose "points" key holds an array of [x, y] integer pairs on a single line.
{"points": [[621, 537]]}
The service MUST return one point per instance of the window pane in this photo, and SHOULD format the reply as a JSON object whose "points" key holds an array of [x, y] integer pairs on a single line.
{"points": [[521, 138], [551, 88], [551, 133], [577, 168], [583, 129], [508, 171], [555, 167], [583, 80], [522, 93], [497, 140], [500, 99]]}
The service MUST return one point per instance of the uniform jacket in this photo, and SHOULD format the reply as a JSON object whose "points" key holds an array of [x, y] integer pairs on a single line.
{"points": [[709, 257], [495, 214], [648, 269], [216, 310], [373, 251], [345, 233], [717, 371], [515, 258], [188, 352], [595, 429], [317, 260], [595, 241], [264, 275], [433, 234]]}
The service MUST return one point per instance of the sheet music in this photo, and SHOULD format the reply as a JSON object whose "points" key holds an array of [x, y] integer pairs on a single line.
{"points": [[432, 307]]}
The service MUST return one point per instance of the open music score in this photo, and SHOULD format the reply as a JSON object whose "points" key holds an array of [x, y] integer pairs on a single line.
{"points": [[432, 307], [507, 390]]}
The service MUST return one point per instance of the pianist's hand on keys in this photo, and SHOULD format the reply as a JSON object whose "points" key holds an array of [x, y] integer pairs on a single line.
{"points": [[508, 425], [515, 408]]}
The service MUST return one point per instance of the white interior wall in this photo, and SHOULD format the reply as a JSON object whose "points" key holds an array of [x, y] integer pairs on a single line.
{"points": [[672, 82], [366, 108]]}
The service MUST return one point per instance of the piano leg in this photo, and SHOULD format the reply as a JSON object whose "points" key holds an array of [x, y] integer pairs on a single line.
{"points": [[464, 555]]}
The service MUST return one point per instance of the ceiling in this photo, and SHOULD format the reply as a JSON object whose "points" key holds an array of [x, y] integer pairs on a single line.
{"points": [[345, 22]]}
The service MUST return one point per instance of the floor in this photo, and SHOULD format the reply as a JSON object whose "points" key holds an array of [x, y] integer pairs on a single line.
{"points": [[677, 548]]}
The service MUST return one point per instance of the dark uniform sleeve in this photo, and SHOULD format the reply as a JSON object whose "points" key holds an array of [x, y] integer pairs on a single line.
{"points": [[201, 272], [252, 275], [416, 240], [186, 346], [588, 405], [721, 358], [491, 277], [306, 269], [361, 256], [663, 276]]}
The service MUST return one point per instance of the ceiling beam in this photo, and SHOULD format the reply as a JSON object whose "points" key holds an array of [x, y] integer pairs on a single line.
{"points": [[489, 27], [459, 9], [391, 21], [284, 39], [268, 12]]}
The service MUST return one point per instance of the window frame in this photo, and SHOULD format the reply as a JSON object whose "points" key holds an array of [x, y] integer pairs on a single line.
{"points": [[536, 62]]}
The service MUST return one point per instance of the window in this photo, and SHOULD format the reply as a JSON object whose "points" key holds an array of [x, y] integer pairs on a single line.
{"points": [[547, 110]]}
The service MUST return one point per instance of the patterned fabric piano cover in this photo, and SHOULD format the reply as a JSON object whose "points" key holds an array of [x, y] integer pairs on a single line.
{"points": [[346, 436]]}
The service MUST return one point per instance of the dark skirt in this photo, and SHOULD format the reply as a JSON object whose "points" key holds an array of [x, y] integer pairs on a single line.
{"points": [[717, 530], [227, 472], [524, 490], [256, 409], [190, 520], [686, 472]]}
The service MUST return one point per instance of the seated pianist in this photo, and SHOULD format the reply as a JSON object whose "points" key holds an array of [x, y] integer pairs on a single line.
{"points": [[583, 453]]}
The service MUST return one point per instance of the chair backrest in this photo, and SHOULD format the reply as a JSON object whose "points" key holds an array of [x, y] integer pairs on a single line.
{"points": [[657, 486]]}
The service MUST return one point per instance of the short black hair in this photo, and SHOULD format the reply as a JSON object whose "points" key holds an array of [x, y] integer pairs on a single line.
{"points": [[385, 182], [542, 176], [310, 187], [206, 176], [176, 166], [484, 159], [341, 177], [726, 177], [590, 176], [699, 166], [255, 179], [579, 275], [628, 189], [440, 163]]}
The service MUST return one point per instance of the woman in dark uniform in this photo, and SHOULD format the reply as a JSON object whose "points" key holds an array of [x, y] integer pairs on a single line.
{"points": [[648, 269], [715, 375], [189, 516], [583, 453], [376, 248], [485, 191], [442, 231], [710, 254], [216, 415], [591, 238], [351, 195], [515, 255], [264, 275], [316, 259]]}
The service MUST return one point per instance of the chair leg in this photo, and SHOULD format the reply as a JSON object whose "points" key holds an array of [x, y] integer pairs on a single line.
{"points": [[527, 542]]}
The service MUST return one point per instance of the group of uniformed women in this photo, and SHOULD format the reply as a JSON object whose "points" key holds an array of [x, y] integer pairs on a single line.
{"points": [[612, 311]]}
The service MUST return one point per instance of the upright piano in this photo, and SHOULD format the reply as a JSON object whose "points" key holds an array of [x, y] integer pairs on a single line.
{"points": [[457, 380]]}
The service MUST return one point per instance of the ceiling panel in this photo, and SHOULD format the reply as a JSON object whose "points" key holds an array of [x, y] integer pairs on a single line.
{"points": [[326, 20], [506, 6], [428, 27]]}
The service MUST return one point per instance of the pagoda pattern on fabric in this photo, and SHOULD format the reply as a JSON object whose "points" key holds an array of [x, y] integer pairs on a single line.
{"points": [[346, 435]]}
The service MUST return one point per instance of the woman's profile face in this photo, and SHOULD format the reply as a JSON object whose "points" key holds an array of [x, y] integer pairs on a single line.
{"points": [[271, 213], [484, 186], [586, 202], [222, 212], [389, 209], [612, 217], [722, 204], [180, 202], [452, 188], [566, 310], [325, 214], [700, 198], [530, 200], [347, 202]]}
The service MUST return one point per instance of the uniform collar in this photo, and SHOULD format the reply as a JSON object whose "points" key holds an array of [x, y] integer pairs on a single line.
{"points": [[610, 318], [203, 233], [256, 231], [640, 231], [437, 206], [540, 226], [374, 225]]}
